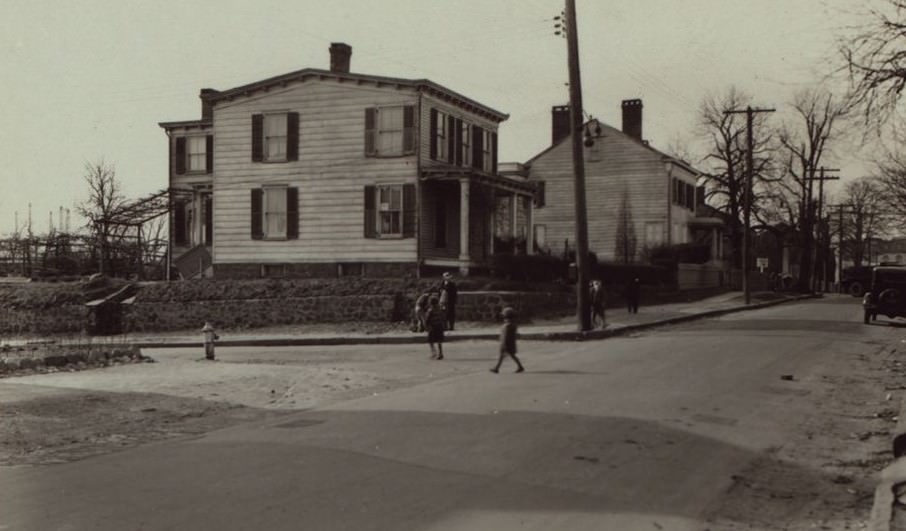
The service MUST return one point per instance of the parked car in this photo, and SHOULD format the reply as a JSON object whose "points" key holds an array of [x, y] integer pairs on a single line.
{"points": [[856, 280], [887, 295]]}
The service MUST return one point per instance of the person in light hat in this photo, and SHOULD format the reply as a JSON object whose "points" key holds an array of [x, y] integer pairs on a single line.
{"points": [[508, 340], [448, 299]]}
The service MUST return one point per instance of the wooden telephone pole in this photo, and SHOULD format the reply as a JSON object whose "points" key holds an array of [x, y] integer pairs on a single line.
{"points": [[747, 196], [575, 111]]}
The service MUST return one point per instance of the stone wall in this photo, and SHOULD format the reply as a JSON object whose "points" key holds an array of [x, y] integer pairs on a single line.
{"points": [[486, 305], [61, 319]]}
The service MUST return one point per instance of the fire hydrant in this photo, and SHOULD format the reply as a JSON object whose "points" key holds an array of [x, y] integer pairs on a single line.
{"points": [[209, 337]]}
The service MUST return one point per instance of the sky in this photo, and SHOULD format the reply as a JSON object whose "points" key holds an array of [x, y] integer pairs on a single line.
{"points": [[89, 80]]}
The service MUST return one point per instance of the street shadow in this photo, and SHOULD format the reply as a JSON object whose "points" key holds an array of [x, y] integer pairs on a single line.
{"points": [[411, 470], [774, 325]]}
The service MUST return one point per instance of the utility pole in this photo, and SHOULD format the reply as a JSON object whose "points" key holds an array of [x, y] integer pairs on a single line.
{"points": [[575, 111], [747, 195], [822, 176]]}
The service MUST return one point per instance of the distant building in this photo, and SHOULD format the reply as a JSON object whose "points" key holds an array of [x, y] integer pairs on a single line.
{"points": [[637, 197]]}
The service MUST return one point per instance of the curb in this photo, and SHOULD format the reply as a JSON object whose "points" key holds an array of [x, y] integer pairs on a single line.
{"points": [[478, 336]]}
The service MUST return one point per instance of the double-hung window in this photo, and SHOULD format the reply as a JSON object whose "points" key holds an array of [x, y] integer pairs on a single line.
{"points": [[196, 153], [465, 144], [275, 213], [389, 131], [390, 210], [274, 137], [487, 153], [441, 143]]}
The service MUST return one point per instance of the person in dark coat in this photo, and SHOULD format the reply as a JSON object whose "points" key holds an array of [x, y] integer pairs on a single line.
{"points": [[448, 299], [508, 340], [632, 296], [434, 322], [597, 297]]}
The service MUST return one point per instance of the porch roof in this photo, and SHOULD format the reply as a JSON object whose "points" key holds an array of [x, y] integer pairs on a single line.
{"points": [[494, 181]]}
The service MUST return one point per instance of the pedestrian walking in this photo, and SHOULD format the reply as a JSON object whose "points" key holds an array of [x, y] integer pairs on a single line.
{"points": [[598, 299], [508, 340], [420, 311], [448, 299], [434, 322], [632, 296]]}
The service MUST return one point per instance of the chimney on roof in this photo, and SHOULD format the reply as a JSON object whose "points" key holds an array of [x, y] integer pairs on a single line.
{"points": [[207, 109], [340, 53], [560, 123], [632, 118]]}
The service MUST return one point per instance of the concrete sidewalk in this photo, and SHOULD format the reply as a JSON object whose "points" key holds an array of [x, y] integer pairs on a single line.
{"points": [[618, 322]]}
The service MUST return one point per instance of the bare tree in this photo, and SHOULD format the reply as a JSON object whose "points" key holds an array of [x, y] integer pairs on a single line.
{"points": [[892, 181], [875, 59], [105, 198], [806, 139], [726, 159], [864, 217]]}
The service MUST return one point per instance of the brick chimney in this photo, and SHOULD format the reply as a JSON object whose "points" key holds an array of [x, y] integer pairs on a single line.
{"points": [[632, 118], [560, 123], [340, 53], [207, 110]]}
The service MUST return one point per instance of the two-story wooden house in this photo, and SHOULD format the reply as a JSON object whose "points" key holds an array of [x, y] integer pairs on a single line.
{"points": [[320, 173], [637, 197]]}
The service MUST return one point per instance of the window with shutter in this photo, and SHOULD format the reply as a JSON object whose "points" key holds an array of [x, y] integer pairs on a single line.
{"points": [[390, 211], [196, 154], [209, 154], [389, 131], [292, 213], [465, 144]]}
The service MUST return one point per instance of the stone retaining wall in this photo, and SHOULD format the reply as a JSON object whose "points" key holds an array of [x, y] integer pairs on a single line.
{"points": [[156, 316]]}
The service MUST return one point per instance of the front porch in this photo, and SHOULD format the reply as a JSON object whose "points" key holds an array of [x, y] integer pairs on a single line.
{"points": [[465, 218]]}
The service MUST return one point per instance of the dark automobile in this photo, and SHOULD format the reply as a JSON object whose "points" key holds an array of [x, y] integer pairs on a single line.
{"points": [[856, 280], [887, 295]]}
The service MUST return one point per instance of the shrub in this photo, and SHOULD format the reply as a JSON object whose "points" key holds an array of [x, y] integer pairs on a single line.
{"points": [[616, 273]]}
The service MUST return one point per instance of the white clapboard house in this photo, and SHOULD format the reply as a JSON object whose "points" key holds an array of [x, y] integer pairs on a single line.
{"points": [[323, 173]]}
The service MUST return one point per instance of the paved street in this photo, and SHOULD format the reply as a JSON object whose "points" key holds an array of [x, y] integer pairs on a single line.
{"points": [[648, 431]]}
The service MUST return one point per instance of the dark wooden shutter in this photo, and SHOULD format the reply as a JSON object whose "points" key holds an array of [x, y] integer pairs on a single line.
{"points": [[179, 224], [180, 155], [451, 139], [257, 214], [208, 219], [370, 221], [494, 153], [409, 204], [209, 154], [292, 136], [408, 129], [477, 139], [257, 137], [370, 133], [690, 196], [292, 213], [458, 145], [433, 134]]}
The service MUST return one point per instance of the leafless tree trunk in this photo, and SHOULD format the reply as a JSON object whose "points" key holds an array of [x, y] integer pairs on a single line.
{"points": [[805, 140], [104, 199]]}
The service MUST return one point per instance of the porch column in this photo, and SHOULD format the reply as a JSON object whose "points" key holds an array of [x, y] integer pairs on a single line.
{"points": [[464, 220], [530, 228]]}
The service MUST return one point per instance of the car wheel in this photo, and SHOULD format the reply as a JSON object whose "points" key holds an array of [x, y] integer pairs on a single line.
{"points": [[856, 289], [889, 297]]}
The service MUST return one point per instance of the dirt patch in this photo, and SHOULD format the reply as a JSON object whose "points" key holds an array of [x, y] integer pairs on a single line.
{"points": [[59, 425], [847, 437]]}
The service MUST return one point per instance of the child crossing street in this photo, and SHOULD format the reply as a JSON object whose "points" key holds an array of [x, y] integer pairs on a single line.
{"points": [[508, 340]]}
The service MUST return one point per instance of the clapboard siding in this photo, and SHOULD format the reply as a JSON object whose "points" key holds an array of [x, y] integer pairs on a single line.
{"points": [[622, 166], [331, 174]]}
